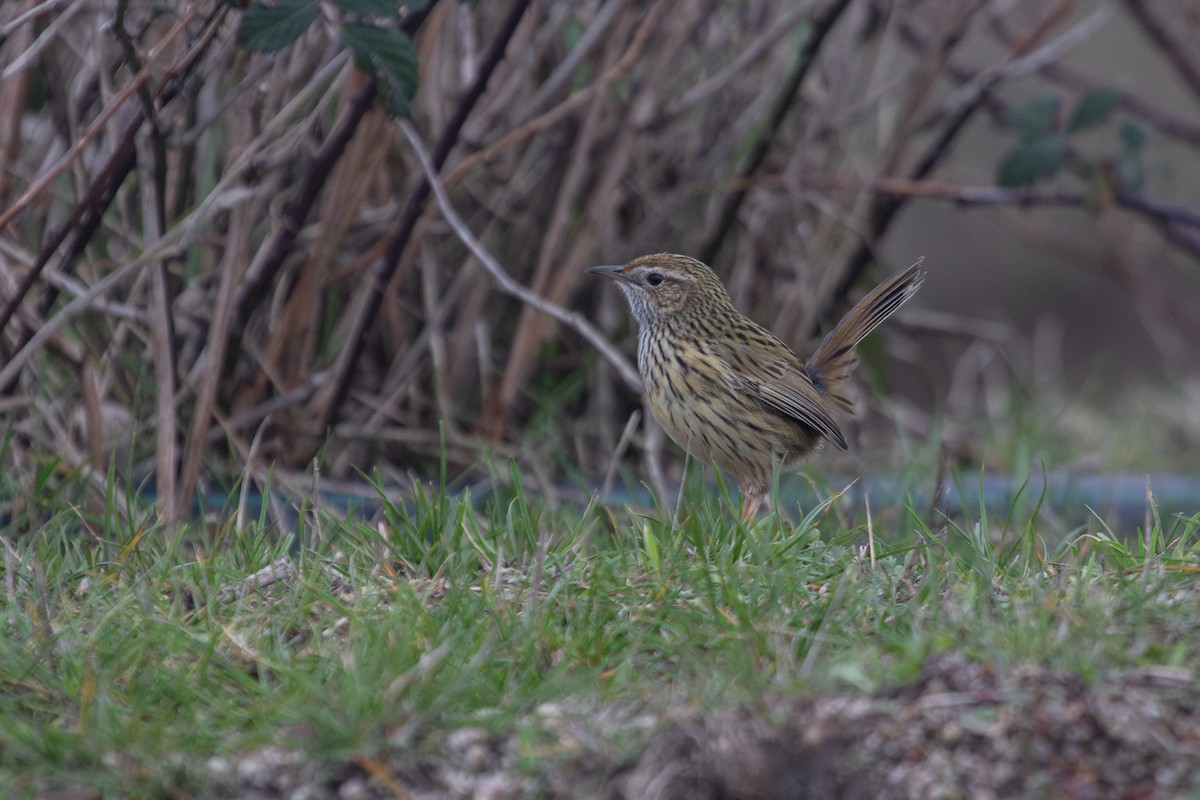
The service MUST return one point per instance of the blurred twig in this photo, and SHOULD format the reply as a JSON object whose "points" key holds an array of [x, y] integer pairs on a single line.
{"points": [[822, 24], [972, 97], [266, 264], [1181, 224], [44, 39], [571, 319], [1165, 120], [1181, 54], [590, 185], [122, 157], [183, 233], [86, 215], [566, 107], [379, 277], [270, 258], [218, 337]]}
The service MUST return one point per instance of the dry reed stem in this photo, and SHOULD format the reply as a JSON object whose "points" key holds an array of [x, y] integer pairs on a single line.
{"points": [[570, 105], [381, 275], [97, 125], [572, 319], [555, 271]]}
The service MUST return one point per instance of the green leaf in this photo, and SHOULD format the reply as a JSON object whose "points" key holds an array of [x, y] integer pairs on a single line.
{"points": [[651, 545], [1032, 161], [1095, 107], [390, 57], [1034, 118], [1133, 135], [271, 28], [370, 8]]}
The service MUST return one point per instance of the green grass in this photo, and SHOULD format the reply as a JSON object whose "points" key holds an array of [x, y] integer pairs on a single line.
{"points": [[125, 667]]}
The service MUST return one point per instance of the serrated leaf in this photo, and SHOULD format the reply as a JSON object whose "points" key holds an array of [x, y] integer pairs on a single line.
{"points": [[370, 8], [390, 57], [1033, 118], [1032, 161], [1133, 135], [273, 27], [1095, 107]]}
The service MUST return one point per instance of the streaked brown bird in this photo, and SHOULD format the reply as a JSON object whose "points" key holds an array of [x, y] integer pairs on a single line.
{"points": [[725, 388]]}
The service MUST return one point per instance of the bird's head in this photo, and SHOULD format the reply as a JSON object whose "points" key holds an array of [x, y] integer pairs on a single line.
{"points": [[663, 286]]}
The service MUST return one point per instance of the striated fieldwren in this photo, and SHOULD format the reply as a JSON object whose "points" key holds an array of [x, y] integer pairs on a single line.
{"points": [[725, 388]]}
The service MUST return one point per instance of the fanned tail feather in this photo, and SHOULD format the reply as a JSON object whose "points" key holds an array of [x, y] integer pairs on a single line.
{"points": [[836, 356]]}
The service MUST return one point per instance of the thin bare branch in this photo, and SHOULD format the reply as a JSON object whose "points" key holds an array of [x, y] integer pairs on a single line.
{"points": [[77, 147], [1158, 117], [1181, 54], [385, 268], [30, 55], [822, 24], [1179, 219], [508, 285], [566, 107]]}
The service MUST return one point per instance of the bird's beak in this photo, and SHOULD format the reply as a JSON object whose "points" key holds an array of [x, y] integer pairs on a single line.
{"points": [[614, 271]]}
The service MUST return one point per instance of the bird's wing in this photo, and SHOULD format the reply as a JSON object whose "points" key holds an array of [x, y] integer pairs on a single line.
{"points": [[781, 382]]}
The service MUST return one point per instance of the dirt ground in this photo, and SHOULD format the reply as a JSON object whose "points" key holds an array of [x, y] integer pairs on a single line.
{"points": [[960, 730]]}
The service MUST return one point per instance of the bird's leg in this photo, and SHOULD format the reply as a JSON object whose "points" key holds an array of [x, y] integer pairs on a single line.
{"points": [[752, 499]]}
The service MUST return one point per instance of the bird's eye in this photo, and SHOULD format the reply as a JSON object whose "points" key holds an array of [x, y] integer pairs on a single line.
{"points": [[654, 278]]}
